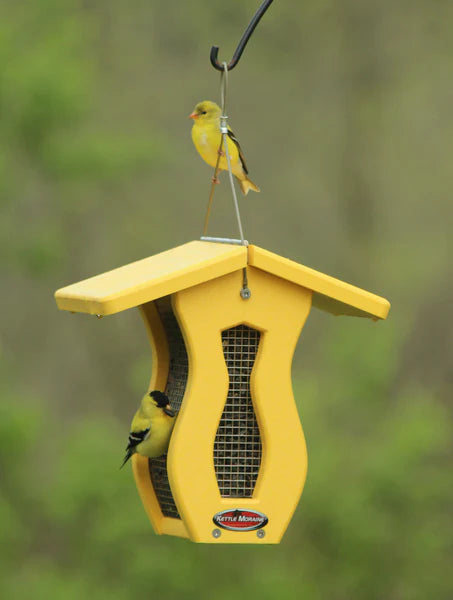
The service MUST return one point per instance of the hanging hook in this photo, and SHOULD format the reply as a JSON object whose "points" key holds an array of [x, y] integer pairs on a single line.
{"points": [[243, 42]]}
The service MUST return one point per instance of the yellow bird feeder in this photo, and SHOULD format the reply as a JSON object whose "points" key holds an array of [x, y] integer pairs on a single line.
{"points": [[237, 459]]}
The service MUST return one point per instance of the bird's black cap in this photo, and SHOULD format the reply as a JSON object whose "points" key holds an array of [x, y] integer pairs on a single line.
{"points": [[160, 398]]}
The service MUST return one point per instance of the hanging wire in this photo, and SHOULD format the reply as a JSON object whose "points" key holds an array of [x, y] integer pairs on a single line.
{"points": [[224, 132], [221, 152], [224, 68], [211, 194], [245, 291]]}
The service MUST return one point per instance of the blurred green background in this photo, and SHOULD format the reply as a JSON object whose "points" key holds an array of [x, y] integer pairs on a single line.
{"points": [[344, 113]]}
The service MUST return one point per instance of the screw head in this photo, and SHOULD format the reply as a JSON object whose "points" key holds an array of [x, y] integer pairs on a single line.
{"points": [[216, 533], [245, 293], [260, 533]]}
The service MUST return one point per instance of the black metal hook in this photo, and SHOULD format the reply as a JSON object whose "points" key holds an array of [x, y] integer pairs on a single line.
{"points": [[243, 42]]}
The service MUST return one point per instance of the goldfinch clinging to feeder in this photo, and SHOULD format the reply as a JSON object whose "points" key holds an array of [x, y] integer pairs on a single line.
{"points": [[206, 137], [151, 427]]}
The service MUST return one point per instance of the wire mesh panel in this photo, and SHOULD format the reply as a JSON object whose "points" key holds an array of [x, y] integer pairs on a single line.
{"points": [[175, 388], [237, 447], [161, 485], [179, 363]]}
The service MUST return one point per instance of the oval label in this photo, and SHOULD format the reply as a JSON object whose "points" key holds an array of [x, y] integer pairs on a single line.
{"points": [[240, 519]]}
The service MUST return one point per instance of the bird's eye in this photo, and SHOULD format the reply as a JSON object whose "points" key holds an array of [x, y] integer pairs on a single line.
{"points": [[203, 112]]}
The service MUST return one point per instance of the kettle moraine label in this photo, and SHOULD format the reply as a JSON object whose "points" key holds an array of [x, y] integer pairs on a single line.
{"points": [[240, 519]]}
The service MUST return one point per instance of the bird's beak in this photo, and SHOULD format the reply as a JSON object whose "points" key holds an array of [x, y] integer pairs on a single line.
{"points": [[193, 115], [169, 411]]}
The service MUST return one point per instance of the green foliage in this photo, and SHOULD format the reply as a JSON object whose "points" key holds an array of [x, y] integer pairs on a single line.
{"points": [[48, 139], [90, 157], [46, 74]]}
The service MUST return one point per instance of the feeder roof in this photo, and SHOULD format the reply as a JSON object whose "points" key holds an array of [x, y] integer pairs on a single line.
{"points": [[198, 261]]}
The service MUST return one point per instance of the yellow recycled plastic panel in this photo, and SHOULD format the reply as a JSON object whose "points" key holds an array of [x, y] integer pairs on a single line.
{"points": [[329, 294], [278, 309], [203, 281], [196, 262], [153, 277], [140, 464]]}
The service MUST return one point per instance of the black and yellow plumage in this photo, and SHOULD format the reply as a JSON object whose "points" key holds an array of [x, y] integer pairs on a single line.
{"points": [[151, 427]]}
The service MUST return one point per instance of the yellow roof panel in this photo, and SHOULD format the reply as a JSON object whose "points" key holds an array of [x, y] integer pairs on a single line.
{"points": [[151, 278], [330, 294], [198, 261]]}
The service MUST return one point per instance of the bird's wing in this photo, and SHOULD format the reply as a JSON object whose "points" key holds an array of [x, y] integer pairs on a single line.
{"points": [[241, 156], [136, 437]]}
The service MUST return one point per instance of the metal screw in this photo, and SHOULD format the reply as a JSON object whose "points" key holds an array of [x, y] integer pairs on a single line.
{"points": [[216, 533], [260, 533], [245, 293]]}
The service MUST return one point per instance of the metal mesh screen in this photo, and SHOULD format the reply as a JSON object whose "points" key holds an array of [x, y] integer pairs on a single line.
{"points": [[175, 388], [179, 363], [237, 447]]}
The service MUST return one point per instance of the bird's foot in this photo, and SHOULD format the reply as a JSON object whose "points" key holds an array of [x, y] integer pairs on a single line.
{"points": [[220, 152], [215, 180]]}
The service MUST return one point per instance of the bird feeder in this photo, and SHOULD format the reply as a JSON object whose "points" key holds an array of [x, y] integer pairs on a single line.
{"points": [[237, 459]]}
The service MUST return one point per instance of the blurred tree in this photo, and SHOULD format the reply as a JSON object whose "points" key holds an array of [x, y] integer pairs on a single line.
{"points": [[48, 138]]}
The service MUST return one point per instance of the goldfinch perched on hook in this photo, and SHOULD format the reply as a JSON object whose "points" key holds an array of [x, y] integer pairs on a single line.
{"points": [[151, 427], [206, 137]]}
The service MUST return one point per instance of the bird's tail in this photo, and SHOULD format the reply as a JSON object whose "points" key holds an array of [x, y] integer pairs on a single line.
{"points": [[129, 453], [247, 184]]}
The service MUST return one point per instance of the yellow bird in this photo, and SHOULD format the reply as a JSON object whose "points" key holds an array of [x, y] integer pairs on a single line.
{"points": [[206, 137], [151, 427]]}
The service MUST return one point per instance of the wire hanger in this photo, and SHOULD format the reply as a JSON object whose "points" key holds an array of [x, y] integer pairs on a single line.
{"points": [[224, 68]]}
